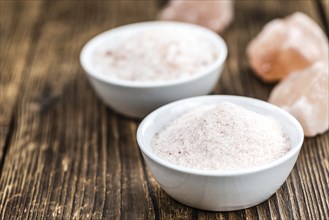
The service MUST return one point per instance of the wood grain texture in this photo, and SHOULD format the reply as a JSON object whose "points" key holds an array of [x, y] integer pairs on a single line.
{"points": [[66, 155], [17, 36]]}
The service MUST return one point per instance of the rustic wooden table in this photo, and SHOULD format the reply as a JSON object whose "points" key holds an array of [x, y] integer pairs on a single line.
{"points": [[65, 154]]}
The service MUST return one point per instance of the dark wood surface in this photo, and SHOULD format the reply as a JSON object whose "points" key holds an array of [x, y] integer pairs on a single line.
{"points": [[64, 154]]}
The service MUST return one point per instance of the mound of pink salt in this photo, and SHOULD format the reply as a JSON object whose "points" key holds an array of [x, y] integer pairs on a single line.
{"points": [[305, 94], [287, 45], [221, 137], [215, 15]]}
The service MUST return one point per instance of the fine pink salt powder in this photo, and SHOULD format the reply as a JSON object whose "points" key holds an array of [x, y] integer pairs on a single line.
{"points": [[221, 137], [155, 55]]}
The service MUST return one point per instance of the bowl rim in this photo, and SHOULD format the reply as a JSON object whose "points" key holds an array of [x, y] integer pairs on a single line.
{"points": [[162, 162], [88, 48]]}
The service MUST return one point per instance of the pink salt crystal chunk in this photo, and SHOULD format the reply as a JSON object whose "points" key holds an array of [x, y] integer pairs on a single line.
{"points": [[286, 45], [215, 15], [305, 94]]}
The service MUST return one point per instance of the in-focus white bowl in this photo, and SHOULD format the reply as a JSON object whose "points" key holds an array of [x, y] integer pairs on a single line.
{"points": [[137, 99], [219, 190]]}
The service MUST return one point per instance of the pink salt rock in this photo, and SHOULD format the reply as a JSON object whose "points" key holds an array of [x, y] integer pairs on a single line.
{"points": [[215, 15], [305, 94], [287, 45]]}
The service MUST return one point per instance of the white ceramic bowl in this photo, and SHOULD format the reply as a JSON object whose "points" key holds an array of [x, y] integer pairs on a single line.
{"points": [[215, 190], [137, 99]]}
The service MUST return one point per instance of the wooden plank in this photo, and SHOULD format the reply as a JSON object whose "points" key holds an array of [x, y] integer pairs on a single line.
{"points": [[58, 163], [17, 36], [71, 157]]}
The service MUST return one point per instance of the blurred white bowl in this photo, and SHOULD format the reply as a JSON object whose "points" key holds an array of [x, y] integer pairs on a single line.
{"points": [[219, 190], [136, 99]]}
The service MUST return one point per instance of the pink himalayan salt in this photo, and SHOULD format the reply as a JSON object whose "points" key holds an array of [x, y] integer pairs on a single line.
{"points": [[286, 45], [221, 137], [153, 56], [305, 94], [215, 15]]}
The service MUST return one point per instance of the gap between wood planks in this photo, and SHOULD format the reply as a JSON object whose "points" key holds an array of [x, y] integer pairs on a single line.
{"points": [[323, 8]]}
